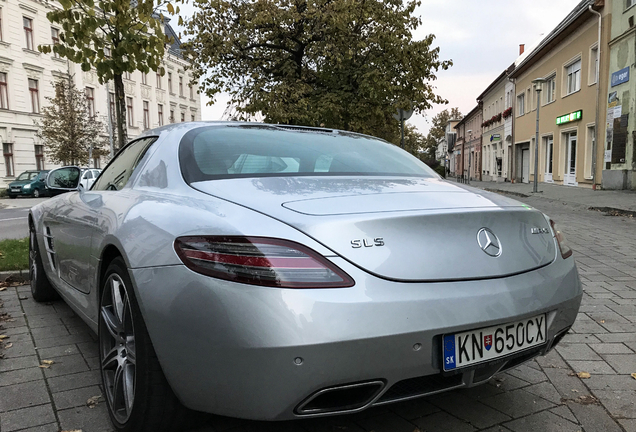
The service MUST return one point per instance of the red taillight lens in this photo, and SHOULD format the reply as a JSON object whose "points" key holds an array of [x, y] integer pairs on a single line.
{"points": [[260, 261], [566, 252]]}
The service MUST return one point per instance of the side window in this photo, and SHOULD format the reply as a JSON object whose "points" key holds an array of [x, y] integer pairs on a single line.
{"points": [[88, 175], [116, 174]]}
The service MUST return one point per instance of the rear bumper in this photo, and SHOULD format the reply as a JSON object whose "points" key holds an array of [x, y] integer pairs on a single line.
{"points": [[258, 353]]}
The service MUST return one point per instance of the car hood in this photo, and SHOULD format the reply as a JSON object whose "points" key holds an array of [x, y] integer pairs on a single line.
{"points": [[410, 229], [20, 183]]}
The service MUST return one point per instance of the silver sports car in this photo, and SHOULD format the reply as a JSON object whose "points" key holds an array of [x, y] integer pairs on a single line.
{"points": [[278, 272]]}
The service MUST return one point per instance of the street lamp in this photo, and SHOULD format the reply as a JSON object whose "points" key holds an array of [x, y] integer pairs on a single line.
{"points": [[537, 85]]}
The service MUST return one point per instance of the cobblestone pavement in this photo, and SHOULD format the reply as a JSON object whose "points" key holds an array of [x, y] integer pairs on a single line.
{"points": [[542, 395]]}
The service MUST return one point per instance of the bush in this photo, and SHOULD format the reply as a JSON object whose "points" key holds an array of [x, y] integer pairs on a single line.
{"points": [[439, 169], [437, 166], [3, 192]]}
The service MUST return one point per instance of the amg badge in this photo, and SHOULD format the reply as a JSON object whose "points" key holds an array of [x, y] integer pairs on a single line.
{"points": [[539, 231], [378, 241]]}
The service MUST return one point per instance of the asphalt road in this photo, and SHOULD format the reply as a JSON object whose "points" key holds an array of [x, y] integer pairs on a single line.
{"points": [[13, 216]]}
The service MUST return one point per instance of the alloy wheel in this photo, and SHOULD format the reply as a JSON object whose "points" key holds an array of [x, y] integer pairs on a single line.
{"points": [[117, 348]]}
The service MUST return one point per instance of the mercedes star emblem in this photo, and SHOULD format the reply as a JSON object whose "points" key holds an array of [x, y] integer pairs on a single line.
{"points": [[488, 242]]}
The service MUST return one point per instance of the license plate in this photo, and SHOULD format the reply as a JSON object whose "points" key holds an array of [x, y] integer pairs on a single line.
{"points": [[476, 346], [15, 189]]}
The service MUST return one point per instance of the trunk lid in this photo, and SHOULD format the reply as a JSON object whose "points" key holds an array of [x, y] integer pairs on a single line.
{"points": [[407, 229]]}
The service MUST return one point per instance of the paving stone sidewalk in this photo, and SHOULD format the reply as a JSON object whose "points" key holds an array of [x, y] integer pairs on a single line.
{"points": [[543, 395]]}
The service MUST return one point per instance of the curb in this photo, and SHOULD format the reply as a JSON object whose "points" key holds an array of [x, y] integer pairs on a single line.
{"points": [[14, 276]]}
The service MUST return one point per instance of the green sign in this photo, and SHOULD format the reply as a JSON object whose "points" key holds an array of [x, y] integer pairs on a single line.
{"points": [[576, 115]]}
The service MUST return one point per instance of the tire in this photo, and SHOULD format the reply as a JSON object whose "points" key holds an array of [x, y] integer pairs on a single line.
{"points": [[36, 193], [41, 288], [137, 393], [13, 196]]}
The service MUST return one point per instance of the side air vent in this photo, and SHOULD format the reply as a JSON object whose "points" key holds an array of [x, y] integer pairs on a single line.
{"points": [[50, 249]]}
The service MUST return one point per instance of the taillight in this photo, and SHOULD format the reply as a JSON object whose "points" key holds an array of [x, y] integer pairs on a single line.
{"points": [[260, 261], [566, 252]]}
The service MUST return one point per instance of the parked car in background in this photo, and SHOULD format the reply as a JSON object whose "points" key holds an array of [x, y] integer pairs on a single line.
{"points": [[279, 272], [29, 183], [88, 177]]}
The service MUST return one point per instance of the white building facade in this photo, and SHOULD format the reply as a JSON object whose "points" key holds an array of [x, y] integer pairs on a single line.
{"points": [[27, 78]]}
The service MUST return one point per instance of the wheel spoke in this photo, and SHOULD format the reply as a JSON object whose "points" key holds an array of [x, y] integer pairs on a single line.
{"points": [[118, 388], [128, 386], [110, 359], [131, 353], [118, 301], [112, 322]]}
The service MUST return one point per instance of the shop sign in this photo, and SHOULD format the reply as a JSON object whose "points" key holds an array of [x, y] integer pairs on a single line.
{"points": [[567, 118], [495, 137], [620, 77]]}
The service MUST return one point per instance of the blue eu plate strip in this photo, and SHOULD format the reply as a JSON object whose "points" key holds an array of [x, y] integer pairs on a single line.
{"points": [[449, 352]]}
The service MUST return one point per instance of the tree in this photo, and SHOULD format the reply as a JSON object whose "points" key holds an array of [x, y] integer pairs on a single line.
{"points": [[67, 130], [438, 129], [346, 64], [413, 140], [113, 37]]}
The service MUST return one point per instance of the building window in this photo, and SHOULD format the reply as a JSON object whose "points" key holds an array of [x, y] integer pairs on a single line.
{"points": [[158, 79], [7, 149], [127, 75], [550, 89], [1, 24], [629, 3], [180, 86], [146, 115], [191, 91], [521, 104], [90, 101], [129, 110], [107, 52], [160, 114], [4, 92], [192, 117], [39, 157], [182, 117], [27, 23], [593, 74], [170, 82], [55, 38], [171, 116], [96, 162], [35, 99], [573, 73]]}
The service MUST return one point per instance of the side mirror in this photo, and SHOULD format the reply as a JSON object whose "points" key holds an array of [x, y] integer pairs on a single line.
{"points": [[64, 179]]}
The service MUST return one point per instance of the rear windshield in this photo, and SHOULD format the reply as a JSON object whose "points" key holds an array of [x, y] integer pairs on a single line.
{"points": [[209, 153]]}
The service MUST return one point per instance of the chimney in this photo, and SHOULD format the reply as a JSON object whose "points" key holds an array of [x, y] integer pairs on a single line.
{"points": [[521, 48]]}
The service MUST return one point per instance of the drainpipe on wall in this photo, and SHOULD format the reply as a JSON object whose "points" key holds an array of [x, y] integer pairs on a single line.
{"points": [[513, 102], [598, 92]]}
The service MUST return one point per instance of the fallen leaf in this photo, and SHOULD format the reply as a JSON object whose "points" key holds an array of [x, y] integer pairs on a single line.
{"points": [[602, 321], [47, 362], [44, 366], [92, 402], [575, 391], [3, 337], [583, 375], [634, 375], [3, 288], [9, 345]]}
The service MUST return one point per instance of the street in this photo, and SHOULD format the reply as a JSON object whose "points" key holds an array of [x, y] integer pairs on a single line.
{"points": [[13, 217], [542, 395]]}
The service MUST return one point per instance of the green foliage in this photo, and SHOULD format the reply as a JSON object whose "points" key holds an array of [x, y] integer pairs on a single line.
{"points": [[413, 140], [113, 37], [14, 254], [66, 129], [345, 64], [134, 36], [438, 129]]}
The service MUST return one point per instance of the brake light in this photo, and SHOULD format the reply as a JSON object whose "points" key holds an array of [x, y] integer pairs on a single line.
{"points": [[566, 252], [260, 261]]}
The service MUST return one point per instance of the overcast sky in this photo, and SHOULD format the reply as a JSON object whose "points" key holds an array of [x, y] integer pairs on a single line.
{"points": [[481, 37]]}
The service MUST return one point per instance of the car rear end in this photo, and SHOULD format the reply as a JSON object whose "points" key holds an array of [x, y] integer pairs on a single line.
{"points": [[342, 286]]}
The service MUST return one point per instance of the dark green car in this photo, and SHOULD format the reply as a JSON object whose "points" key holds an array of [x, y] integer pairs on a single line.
{"points": [[29, 183]]}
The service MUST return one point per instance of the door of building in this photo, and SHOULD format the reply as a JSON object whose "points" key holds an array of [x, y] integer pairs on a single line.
{"points": [[549, 147], [569, 178], [525, 166]]}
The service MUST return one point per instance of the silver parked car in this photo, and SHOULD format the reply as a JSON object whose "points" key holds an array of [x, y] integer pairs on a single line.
{"points": [[278, 272]]}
